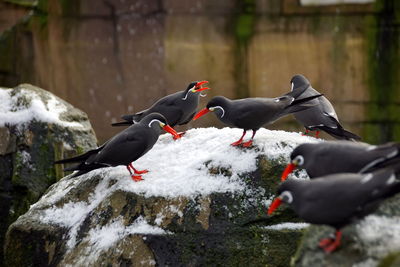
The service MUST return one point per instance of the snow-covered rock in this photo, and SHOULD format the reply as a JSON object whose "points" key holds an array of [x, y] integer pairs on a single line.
{"points": [[203, 203], [36, 128]]}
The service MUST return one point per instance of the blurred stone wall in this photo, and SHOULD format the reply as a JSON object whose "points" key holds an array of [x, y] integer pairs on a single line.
{"points": [[113, 57]]}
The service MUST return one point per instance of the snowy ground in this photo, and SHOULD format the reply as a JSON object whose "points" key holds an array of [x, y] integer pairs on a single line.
{"points": [[22, 106]]}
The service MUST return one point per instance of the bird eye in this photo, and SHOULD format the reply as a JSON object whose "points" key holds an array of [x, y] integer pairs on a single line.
{"points": [[286, 196], [299, 160]]}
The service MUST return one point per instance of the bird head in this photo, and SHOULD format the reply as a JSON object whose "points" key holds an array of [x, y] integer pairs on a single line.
{"points": [[195, 87], [158, 121], [285, 195], [297, 160], [217, 104], [299, 81]]}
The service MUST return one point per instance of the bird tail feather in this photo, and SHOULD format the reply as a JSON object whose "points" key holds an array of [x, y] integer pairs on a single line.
{"points": [[122, 123], [78, 158], [84, 168], [339, 132], [128, 119]]}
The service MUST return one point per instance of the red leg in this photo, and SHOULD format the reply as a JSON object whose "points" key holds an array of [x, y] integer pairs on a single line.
{"points": [[335, 244], [306, 132], [239, 142], [136, 178], [250, 142], [137, 171], [317, 134], [326, 242], [180, 135], [129, 169]]}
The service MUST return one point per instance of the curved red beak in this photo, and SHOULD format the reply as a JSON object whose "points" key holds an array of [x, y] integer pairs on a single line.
{"points": [[198, 87], [274, 205], [289, 168], [198, 84], [202, 112], [171, 130], [202, 89]]}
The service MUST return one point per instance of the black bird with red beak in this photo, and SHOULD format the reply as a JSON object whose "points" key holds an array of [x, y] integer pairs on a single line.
{"points": [[338, 199], [178, 108], [124, 148], [253, 113], [320, 159]]}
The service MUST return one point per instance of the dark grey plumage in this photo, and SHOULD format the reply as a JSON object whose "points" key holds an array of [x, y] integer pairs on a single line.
{"points": [[330, 157], [253, 113], [322, 115], [317, 201], [338, 199], [122, 149], [178, 108]]}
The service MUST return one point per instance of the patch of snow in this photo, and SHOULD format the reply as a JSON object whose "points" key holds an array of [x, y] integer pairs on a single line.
{"points": [[148, 263], [26, 160], [159, 218], [14, 114], [67, 146], [103, 238], [175, 209], [73, 214], [287, 226], [26, 157], [106, 236], [379, 234], [177, 168], [56, 192]]}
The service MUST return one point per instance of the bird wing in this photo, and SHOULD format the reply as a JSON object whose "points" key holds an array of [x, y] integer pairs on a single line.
{"points": [[380, 185], [159, 106], [326, 106], [169, 107], [124, 148], [250, 109], [338, 199], [134, 117], [386, 155]]}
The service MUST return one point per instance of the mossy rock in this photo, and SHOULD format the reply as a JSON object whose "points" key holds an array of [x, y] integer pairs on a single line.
{"points": [[29, 148]]}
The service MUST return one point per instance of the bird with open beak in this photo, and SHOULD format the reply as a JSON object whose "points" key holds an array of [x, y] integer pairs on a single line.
{"points": [[323, 158], [178, 108], [337, 199], [253, 113], [124, 148]]}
